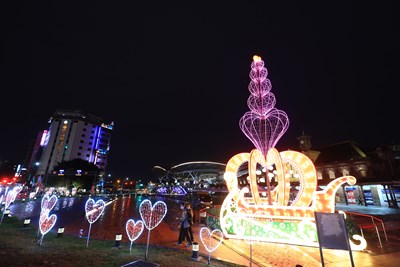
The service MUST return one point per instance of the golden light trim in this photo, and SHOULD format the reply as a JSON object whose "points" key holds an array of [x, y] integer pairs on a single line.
{"points": [[238, 208]]}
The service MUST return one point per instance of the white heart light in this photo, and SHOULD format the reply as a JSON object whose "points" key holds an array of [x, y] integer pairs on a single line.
{"points": [[211, 240], [152, 215], [94, 209], [48, 203], [47, 223], [134, 229]]}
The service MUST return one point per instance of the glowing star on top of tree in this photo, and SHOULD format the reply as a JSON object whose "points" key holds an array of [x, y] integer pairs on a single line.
{"points": [[264, 125]]}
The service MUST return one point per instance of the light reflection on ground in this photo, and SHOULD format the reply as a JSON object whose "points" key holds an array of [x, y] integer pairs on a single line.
{"points": [[71, 214]]}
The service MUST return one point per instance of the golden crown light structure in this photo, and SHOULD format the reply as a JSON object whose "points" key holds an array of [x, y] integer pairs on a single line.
{"points": [[272, 215]]}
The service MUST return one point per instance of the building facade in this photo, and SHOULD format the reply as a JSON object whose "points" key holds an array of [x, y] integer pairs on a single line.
{"points": [[71, 135], [377, 171]]}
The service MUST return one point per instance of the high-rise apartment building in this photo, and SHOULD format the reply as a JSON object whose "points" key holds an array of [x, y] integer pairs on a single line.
{"points": [[73, 134]]}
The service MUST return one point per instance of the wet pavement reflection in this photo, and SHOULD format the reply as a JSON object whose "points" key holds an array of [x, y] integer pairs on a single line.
{"points": [[71, 214]]}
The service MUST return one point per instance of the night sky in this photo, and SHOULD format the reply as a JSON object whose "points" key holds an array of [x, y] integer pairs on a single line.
{"points": [[174, 79]]}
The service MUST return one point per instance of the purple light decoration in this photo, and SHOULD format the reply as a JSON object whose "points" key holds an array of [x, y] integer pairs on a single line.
{"points": [[264, 125], [179, 190]]}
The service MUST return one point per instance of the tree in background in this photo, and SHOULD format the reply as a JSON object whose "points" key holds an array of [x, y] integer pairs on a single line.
{"points": [[76, 173]]}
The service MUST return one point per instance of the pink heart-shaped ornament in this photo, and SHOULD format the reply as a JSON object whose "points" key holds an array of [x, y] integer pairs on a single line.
{"points": [[11, 195], [264, 132], [94, 209], [9, 199], [260, 87], [47, 223], [152, 215], [134, 229], [211, 240], [261, 105], [48, 203]]}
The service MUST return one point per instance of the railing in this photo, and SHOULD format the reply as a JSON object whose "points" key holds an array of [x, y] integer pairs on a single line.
{"points": [[373, 224]]}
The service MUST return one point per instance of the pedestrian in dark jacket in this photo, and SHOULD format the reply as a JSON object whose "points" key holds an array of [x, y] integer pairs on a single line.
{"points": [[184, 224], [190, 220]]}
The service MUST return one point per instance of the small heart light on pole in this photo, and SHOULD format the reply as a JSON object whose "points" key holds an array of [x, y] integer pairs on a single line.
{"points": [[211, 240], [133, 230], [93, 211]]}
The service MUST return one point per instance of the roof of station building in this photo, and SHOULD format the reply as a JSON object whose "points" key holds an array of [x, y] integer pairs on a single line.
{"points": [[192, 166]]}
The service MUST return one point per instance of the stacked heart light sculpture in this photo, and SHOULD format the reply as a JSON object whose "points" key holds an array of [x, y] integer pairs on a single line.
{"points": [[264, 125], [46, 222], [133, 230], [211, 240], [93, 211], [152, 215]]}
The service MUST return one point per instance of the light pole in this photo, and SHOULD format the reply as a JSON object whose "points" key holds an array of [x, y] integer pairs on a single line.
{"points": [[94, 183]]}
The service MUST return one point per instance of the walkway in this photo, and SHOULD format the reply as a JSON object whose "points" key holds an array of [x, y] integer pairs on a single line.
{"points": [[273, 254]]}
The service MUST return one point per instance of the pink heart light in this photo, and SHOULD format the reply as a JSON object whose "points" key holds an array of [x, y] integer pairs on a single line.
{"points": [[264, 131], [134, 229], [94, 209], [46, 223], [211, 240], [152, 215], [11, 195], [48, 203], [9, 199]]}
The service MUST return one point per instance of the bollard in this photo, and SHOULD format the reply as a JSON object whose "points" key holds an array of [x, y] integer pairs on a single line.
{"points": [[118, 239], [81, 233], [7, 212], [27, 222], [60, 232], [195, 251]]}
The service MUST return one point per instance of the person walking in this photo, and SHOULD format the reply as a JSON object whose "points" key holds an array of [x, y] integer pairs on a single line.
{"points": [[183, 228], [190, 220]]}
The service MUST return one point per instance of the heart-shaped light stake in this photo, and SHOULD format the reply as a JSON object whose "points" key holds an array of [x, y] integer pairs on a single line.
{"points": [[133, 230], [10, 198], [48, 203], [46, 223], [152, 216], [93, 211], [211, 240]]}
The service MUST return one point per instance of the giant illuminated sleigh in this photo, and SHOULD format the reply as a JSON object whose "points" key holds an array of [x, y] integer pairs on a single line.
{"points": [[273, 217]]}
